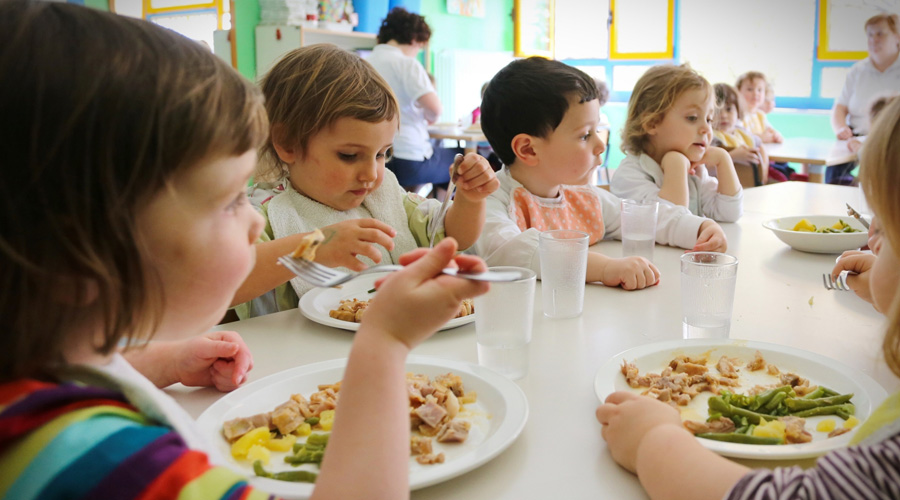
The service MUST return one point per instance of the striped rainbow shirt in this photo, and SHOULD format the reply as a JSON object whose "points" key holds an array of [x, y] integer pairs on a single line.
{"points": [[73, 441]]}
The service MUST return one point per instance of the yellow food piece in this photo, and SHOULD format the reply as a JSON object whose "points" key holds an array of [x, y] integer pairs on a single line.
{"points": [[838, 225], [826, 426], [774, 429], [304, 430], [805, 225], [851, 422], [242, 446], [469, 397], [326, 420], [282, 444], [259, 452]]}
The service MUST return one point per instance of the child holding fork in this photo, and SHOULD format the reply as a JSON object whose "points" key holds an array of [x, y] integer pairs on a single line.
{"points": [[333, 122]]}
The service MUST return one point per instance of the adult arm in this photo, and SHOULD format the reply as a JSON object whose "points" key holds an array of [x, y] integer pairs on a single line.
{"points": [[431, 105], [839, 121]]}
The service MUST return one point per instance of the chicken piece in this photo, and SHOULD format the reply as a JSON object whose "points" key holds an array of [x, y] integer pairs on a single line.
{"points": [[287, 417], [795, 430], [720, 424], [307, 248], [726, 367], [451, 404], [303, 405], [758, 362], [455, 432], [427, 430], [772, 370], [681, 399], [466, 307], [335, 387], [431, 412], [631, 374], [430, 459], [689, 368], [235, 428], [450, 381], [419, 445], [837, 432]]}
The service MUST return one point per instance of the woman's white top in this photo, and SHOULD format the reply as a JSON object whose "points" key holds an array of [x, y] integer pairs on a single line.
{"points": [[864, 84]]}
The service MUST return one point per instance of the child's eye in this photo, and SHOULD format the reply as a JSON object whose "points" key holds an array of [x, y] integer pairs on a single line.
{"points": [[586, 136], [347, 156], [237, 202], [692, 118]]}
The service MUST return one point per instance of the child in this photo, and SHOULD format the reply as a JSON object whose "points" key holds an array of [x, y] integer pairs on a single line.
{"points": [[856, 142], [667, 140], [540, 117], [644, 434], [745, 148], [132, 223], [768, 105], [333, 121], [752, 86]]}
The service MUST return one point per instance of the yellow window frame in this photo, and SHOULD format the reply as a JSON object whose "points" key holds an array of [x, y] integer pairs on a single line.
{"points": [[670, 38], [519, 24], [823, 51], [214, 4]]}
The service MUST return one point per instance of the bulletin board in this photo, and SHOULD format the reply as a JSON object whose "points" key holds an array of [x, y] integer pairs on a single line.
{"points": [[842, 26]]}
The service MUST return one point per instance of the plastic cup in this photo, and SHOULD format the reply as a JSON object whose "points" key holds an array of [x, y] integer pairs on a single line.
{"points": [[563, 269], [707, 294], [503, 322], [639, 227]]}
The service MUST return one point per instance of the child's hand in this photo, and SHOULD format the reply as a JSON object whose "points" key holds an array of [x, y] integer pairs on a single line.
{"points": [[475, 179], [711, 238], [844, 133], [859, 264], [627, 418], [397, 309], [676, 164], [219, 359], [854, 144], [631, 273], [743, 154], [347, 240]]}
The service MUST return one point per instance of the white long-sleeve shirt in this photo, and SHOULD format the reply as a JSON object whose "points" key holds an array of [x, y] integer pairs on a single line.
{"points": [[515, 218], [640, 178]]}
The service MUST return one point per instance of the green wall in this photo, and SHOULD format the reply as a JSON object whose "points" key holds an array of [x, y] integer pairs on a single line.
{"points": [[492, 33], [97, 4], [246, 17]]}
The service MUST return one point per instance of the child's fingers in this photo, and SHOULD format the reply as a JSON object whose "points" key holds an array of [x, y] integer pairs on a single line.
{"points": [[376, 236], [216, 349], [378, 225], [412, 256], [429, 265], [470, 263], [620, 397]]}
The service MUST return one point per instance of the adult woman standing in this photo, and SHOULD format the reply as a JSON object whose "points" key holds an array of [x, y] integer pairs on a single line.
{"points": [[868, 79], [401, 36]]}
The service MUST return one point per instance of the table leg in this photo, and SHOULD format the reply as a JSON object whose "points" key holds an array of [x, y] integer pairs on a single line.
{"points": [[471, 147], [816, 173]]}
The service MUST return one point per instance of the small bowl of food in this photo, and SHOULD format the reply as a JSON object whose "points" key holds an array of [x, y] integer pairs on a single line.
{"points": [[819, 233]]}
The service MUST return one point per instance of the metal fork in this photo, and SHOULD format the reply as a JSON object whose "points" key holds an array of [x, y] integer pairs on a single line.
{"points": [[839, 284], [318, 275], [442, 212]]}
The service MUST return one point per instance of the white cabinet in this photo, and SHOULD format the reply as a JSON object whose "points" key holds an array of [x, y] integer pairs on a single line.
{"points": [[272, 42]]}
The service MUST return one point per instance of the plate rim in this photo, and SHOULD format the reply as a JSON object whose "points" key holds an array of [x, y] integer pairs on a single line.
{"points": [[516, 413], [605, 385]]}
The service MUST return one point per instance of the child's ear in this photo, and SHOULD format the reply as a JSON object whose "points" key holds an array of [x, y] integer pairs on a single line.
{"points": [[287, 154], [523, 145], [651, 126]]}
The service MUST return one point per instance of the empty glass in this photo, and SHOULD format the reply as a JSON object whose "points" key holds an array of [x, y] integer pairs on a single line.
{"points": [[707, 294], [563, 271], [639, 227], [503, 321]]}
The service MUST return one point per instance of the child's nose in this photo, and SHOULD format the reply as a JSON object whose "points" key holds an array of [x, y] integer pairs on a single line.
{"points": [[369, 171]]}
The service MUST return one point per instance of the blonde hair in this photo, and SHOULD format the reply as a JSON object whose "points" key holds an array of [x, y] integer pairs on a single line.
{"points": [[311, 88], [879, 178], [749, 77], [892, 20], [653, 96]]}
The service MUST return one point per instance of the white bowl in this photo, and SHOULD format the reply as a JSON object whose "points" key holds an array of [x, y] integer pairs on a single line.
{"points": [[818, 242]]}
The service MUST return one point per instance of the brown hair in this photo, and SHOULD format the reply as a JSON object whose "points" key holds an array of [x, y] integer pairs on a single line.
{"points": [[892, 20], [879, 104], [728, 95], [85, 151], [653, 96], [748, 77], [403, 27], [879, 178], [311, 88]]}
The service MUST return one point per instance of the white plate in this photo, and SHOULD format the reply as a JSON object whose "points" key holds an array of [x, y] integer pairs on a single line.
{"points": [[316, 303], [499, 415], [818, 242], [820, 370]]}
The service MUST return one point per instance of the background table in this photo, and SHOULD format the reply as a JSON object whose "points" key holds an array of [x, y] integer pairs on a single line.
{"points": [[560, 452], [815, 154], [452, 132]]}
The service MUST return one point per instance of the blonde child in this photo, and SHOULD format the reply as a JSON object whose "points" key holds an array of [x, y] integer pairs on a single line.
{"points": [[132, 223], [752, 86], [768, 105], [667, 139], [541, 117], [333, 121], [744, 147], [644, 434]]}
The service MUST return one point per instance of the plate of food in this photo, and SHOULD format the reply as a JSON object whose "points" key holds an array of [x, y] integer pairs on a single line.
{"points": [[819, 233], [284, 418], [343, 307], [747, 399]]}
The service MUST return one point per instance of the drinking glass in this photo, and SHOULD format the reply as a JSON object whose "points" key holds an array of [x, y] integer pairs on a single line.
{"points": [[503, 322], [639, 227], [707, 294], [563, 270]]}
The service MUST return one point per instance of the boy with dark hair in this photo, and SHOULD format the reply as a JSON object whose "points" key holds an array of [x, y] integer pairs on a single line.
{"points": [[540, 117]]}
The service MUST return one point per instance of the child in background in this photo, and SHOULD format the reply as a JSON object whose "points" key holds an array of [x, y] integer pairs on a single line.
{"points": [[667, 140], [540, 117], [333, 121], [752, 86], [745, 148], [135, 225], [768, 105], [643, 434], [856, 142]]}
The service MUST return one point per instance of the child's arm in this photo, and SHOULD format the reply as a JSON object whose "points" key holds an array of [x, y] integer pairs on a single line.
{"points": [[676, 168], [344, 241], [631, 273], [370, 440], [219, 359], [646, 437], [729, 184], [475, 180]]}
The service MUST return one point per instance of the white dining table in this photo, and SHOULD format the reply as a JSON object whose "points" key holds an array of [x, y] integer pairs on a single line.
{"points": [[779, 299], [815, 154]]}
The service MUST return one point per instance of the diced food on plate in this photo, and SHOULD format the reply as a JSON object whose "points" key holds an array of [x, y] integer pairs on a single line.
{"points": [[838, 227], [352, 310]]}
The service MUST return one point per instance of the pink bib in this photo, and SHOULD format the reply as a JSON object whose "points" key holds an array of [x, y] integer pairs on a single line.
{"points": [[578, 208]]}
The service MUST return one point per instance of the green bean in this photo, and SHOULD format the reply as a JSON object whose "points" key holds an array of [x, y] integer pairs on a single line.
{"points": [[297, 476], [826, 410], [740, 438], [807, 404], [305, 457], [312, 420], [843, 414], [763, 398], [818, 393], [320, 439], [775, 402], [718, 404], [829, 392]]}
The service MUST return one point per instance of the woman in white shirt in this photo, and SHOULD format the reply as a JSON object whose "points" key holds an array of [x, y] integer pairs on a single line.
{"points": [[401, 36]]}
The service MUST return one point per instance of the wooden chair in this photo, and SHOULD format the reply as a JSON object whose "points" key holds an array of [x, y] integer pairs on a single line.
{"points": [[748, 174]]}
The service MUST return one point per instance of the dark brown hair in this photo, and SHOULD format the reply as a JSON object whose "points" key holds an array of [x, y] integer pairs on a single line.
{"points": [[102, 111], [403, 27], [311, 88]]}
